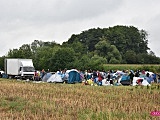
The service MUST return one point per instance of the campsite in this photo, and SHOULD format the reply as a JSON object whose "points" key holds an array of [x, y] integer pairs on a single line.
{"points": [[71, 94], [30, 100], [79, 60]]}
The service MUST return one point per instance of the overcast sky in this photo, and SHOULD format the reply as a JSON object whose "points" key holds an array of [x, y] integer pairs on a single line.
{"points": [[23, 21]]}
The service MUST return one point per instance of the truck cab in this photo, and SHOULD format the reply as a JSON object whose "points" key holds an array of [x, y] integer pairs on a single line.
{"points": [[26, 72]]}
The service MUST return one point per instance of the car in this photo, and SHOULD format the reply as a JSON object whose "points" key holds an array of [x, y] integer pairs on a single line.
{"points": [[1, 71]]}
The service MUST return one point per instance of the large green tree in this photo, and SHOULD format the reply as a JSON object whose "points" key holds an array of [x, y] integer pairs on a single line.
{"points": [[23, 52], [125, 38], [43, 57], [15, 53], [110, 52], [131, 57], [63, 58]]}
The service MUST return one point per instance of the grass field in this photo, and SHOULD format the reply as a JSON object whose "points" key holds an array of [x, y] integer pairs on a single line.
{"points": [[148, 67], [21, 100]]}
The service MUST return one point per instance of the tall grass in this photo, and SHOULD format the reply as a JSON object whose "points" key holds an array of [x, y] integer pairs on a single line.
{"points": [[27, 100]]}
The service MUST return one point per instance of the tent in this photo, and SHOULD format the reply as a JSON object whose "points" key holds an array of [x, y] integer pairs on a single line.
{"points": [[145, 83], [55, 78], [74, 76], [120, 72], [124, 79], [46, 77]]}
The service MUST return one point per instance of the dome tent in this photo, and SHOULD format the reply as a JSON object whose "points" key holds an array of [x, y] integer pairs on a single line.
{"points": [[74, 76], [55, 78]]}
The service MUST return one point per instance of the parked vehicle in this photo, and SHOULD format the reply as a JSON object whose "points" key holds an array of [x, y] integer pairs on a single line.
{"points": [[19, 68], [1, 72]]}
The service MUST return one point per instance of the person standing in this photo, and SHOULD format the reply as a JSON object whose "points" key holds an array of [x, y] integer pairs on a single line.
{"points": [[100, 78], [36, 78], [42, 74], [94, 76], [131, 75], [108, 76]]}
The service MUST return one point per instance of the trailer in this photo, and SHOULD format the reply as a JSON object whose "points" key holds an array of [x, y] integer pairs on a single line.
{"points": [[19, 68]]}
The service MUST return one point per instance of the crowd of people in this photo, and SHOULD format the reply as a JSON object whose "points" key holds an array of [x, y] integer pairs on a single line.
{"points": [[96, 76], [114, 76]]}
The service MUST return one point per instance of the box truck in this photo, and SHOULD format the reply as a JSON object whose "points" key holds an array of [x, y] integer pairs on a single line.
{"points": [[19, 68]]}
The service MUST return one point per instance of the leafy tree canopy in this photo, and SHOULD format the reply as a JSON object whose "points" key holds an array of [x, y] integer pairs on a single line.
{"points": [[89, 50]]}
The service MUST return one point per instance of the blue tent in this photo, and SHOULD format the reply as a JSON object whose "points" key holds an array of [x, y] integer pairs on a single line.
{"points": [[149, 79], [125, 80], [46, 77], [74, 77], [125, 77]]}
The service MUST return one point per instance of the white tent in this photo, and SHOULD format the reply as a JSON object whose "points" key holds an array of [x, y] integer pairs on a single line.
{"points": [[46, 77], [55, 78], [145, 83]]}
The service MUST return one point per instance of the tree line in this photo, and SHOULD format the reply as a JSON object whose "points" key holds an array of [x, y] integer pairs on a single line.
{"points": [[90, 49]]}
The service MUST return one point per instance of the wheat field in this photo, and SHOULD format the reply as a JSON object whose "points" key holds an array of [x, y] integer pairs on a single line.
{"points": [[21, 100]]}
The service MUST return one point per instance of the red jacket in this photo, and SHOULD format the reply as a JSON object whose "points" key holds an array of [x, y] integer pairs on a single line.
{"points": [[100, 77]]}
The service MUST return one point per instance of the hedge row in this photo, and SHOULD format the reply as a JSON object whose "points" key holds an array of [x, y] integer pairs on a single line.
{"points": [[134, 67]]}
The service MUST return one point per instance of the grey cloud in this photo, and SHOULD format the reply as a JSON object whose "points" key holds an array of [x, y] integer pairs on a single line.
{"points": [[22, 21], [60, 10], [154, 38]]}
